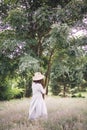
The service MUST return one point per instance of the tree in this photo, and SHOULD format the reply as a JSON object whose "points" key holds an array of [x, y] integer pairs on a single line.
{"points": [[31, 34], [67, 68]]}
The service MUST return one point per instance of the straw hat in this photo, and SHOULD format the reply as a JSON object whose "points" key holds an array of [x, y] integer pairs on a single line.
{"points": [[38, 76]]}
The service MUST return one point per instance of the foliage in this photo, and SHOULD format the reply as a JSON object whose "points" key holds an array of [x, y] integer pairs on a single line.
{"points": [[67, 67], [25, 82], [37, 37], [18, 20], [69, 14], [85, 71], [55, 87], [7, 93], [9, 89], [28, 62], [17, 92]]}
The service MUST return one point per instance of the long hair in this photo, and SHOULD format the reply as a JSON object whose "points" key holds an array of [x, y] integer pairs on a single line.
{"points": [[41, 82]]}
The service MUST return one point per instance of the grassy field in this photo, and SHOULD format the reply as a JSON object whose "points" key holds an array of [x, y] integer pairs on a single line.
{"points": [[63, 114]]}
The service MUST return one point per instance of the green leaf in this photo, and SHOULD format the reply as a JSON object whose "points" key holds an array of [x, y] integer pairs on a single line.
{"points": [[28, 62]]}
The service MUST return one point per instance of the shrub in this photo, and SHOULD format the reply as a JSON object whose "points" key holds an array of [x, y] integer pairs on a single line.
{"points": [[17, 92], [5, 93], [55, 88], [8, 93]]}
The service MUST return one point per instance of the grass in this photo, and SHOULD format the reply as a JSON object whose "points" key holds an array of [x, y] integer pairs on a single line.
{"points": [[63, 114]]}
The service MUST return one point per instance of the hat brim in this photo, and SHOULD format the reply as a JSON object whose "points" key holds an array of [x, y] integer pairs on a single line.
{"points": [[36, 78]]}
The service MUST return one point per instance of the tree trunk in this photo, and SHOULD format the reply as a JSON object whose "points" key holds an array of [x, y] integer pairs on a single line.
{"points": [[64, 91], [48, 72], [39, 49]]}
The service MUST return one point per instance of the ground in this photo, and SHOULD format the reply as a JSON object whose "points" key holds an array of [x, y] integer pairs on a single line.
{"points": [[63, 114]]}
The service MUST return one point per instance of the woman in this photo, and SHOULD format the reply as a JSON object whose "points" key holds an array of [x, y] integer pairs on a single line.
{"points": [[37, 106]]}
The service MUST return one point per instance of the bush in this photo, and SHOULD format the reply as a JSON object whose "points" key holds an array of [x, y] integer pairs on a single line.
{"points": [[17, 92], [55, 88], [7, 93], [28, 90], [78, 95]]}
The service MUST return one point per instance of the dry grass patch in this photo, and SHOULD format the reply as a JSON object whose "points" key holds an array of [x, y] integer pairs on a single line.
{"points": [[63, 114]]}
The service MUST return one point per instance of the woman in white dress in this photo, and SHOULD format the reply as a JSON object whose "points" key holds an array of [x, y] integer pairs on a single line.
{"points": [[37, 107]]}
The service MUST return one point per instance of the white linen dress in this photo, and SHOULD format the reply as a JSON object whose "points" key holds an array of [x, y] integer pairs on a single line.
{"points": [[37, 105]]}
